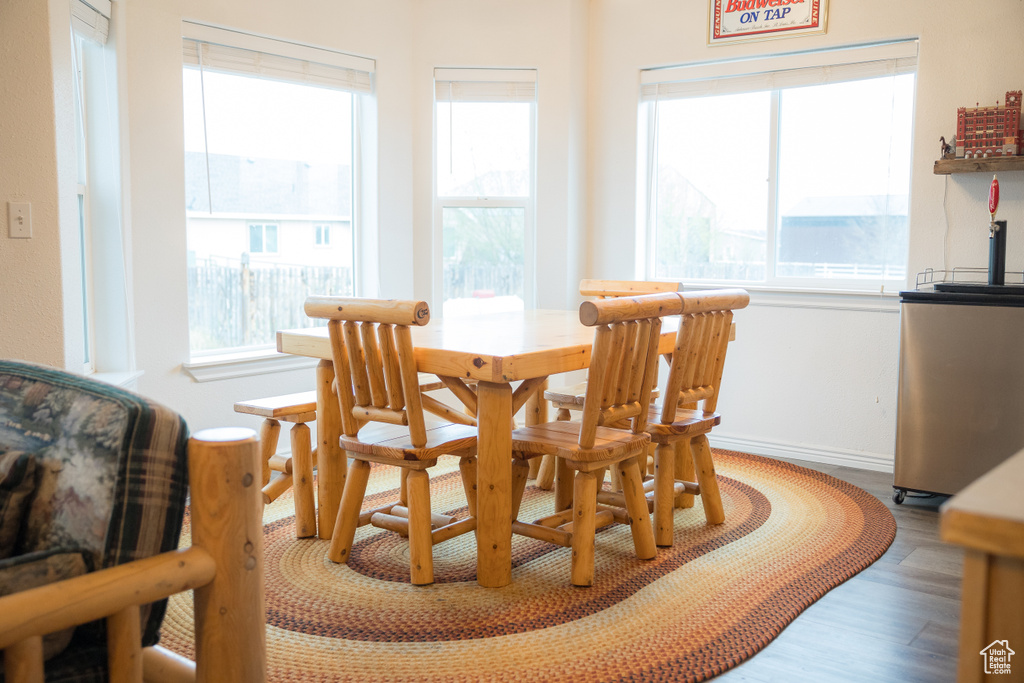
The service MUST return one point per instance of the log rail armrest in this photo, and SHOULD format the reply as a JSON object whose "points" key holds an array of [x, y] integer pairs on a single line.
{"points": [[224, 566], [99, 594]]}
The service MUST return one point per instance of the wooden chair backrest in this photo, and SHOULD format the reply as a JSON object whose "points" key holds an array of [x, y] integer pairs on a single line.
{"points": [[695, 370], [372, 350], [606, 289], [623, 360]]}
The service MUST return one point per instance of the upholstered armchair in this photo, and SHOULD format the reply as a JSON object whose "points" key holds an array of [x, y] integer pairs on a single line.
{"points": [[93, 485]]}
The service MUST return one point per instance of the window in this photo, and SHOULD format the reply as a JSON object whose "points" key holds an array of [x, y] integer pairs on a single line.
{"points": [[272, 149], [263, 239], [323, 235], [102, 293], [791, 173], [484, 179]]}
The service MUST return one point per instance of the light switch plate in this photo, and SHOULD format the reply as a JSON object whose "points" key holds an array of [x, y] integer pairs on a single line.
{"points": [[19, 220]]}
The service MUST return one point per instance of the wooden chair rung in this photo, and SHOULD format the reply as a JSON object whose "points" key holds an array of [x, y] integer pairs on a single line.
{"points": [[364, 517], [555, 520], [382, 520], [276, 487], [603, 517], [450, 531], [437, 520], [619, 514], [542, 533]]}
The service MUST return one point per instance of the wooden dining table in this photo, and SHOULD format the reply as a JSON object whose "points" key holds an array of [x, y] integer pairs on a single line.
{"points": [[496, 350]]}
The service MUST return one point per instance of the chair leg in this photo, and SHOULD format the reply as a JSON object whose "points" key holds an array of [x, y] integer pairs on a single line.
{"points": [[563, 485], [403, 490], [520, 472], [710, 496], [636, 505], [546, 472], [616, 484], [270, 430], [584, 524], [664, 494], [302, 482], [421, 553], [348, 512], [467, 468], [548, 466], [684, 472]]}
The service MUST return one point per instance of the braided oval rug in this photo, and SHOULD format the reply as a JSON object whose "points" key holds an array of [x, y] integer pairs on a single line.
{"points": [[699, 608]]}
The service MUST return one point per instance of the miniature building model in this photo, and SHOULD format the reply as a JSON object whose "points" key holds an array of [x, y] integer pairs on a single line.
{"points": [[990, 131]]}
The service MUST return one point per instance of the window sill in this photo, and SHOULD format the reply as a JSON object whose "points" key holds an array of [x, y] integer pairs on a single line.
{"points": [[245, 364], [886, 301], [125, 379]]}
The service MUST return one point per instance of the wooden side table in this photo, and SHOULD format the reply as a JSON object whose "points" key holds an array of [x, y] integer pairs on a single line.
{"points": [[987, 519]]}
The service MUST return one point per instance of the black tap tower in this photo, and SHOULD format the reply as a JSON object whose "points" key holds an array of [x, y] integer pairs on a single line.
{"points": [[997, 253]]}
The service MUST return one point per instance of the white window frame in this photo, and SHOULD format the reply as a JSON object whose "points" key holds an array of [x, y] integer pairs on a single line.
{"points": [[774, 73], [263, 225], [294, 62], [527, 204], [99, 284], [322, 235]]}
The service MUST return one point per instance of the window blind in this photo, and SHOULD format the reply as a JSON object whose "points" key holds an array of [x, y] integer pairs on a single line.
{"points": [[91, 20], [790, 71], [254, 55], [485, 85]]}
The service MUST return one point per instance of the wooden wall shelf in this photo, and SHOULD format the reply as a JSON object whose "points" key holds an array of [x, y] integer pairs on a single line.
{"points": [[993, 165]]}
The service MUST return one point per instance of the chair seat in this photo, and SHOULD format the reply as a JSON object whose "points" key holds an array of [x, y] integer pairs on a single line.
{"points": [[688, 423], [574, 394], [390, 442], [562, 439], [281, 407]]}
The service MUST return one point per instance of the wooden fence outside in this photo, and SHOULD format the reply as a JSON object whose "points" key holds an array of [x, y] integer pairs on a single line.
{"points": [[235, 304]]}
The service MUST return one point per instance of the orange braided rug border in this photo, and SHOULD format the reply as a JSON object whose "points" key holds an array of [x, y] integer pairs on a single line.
{"points": [[712, 600]]}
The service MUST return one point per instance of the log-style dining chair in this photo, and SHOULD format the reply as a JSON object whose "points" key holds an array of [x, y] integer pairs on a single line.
{"points": [[622, 372], [678, 427], [372, 351], [569, 399]]}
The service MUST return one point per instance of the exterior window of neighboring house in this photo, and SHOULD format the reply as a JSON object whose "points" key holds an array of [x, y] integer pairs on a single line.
{"points": [[485, 159], [103, 340], [795, 172], [263, 238], [323, 235], [272, 147]]}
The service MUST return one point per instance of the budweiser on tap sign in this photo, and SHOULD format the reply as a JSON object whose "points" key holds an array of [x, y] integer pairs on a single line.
{"points": [[738, 20]]}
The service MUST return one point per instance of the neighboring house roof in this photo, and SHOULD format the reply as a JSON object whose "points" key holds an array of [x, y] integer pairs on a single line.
{"points": [[859, 205], [267, 186]]}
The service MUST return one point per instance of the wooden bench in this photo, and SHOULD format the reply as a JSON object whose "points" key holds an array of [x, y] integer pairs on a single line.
{"points": [[296, 470]]}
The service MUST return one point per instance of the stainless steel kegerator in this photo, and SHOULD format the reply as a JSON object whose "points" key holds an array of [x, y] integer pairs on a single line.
{"points": [[960, 407]]}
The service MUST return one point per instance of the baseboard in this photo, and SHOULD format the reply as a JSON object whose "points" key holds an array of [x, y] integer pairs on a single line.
{"points": [[831, 456]]}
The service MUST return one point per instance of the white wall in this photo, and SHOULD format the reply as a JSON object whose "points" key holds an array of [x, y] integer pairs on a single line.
{"points": [[812, 376]]}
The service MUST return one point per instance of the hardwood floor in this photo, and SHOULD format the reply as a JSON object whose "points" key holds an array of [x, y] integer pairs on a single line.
{"points": [[895, 621]]}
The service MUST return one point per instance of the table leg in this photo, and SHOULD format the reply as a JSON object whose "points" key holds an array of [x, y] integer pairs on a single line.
{"points": [[332, 464], [536, 413], [494, 485]]}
